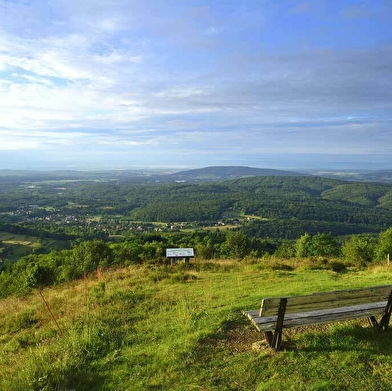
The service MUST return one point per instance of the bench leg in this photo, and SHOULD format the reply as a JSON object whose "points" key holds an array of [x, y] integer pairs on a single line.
{"points": [[274, 339], [387, 315], [384, 322], [373, 321], [277, 337], [269, 337]]}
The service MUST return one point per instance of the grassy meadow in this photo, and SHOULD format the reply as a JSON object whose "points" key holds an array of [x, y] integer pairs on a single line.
{"points": [[157, 327]]}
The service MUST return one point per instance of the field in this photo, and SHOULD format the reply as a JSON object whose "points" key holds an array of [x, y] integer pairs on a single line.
{"points": [[155, 327], [21, 245], [23, 240]]}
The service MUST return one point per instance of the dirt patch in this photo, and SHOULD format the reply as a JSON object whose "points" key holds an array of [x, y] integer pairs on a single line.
{"points": [[240, 337]]}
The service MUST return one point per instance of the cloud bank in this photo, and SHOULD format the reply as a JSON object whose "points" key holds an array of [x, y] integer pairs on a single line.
{"points": [[150, 83]]}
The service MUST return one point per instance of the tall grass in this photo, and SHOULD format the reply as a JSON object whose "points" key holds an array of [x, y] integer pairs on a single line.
{"points": [[181, 328]]}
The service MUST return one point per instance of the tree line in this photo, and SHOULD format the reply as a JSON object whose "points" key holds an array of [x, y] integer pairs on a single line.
{"points": [[37, 270]]}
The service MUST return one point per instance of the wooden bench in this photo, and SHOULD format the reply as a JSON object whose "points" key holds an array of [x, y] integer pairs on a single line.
{"points": [[279, 313]]}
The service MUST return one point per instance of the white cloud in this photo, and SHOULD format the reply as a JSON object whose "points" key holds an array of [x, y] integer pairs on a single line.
{"points": [[14, 144], [108, 25], [139, 74]]}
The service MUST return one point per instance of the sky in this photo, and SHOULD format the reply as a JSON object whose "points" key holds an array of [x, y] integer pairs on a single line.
{"points": [[116, 84]]}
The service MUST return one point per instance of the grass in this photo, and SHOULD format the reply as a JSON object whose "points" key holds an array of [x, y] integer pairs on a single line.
{"points": [[22, 245], [23, 240], [171, 328]]}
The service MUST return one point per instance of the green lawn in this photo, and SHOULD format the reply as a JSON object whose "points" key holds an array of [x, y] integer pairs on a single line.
{"points": [[167, 328]]}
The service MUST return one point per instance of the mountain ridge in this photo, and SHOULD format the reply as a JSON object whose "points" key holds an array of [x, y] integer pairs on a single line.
{"points": [[229, 172]]}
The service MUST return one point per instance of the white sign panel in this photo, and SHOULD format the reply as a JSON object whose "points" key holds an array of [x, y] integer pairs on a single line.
{"points": [[179, 252]]}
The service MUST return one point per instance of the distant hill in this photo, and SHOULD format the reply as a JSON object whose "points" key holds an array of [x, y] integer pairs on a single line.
{"points": [[207, 174], [219, 173], [273, 206]]}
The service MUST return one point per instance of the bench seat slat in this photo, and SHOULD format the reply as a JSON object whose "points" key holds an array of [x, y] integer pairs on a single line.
{"points": [[326, 300], [268, 323]]}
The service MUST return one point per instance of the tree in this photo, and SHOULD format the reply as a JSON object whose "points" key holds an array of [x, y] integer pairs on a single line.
{"points": [[384, 246], [87, 256], [237, 244], [204, 251], [36, 275], [303, 246], [324, 245], [127, 253], [319, 245], [359, 248], [286, 250]]}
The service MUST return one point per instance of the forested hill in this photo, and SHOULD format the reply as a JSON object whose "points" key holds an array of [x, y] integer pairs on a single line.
{"points": [[264, 206], [281, 206], [365, 194]]}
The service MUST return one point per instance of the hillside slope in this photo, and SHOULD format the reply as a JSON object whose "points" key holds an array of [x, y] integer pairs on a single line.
{"points": [[299, 203], [150, 328]]}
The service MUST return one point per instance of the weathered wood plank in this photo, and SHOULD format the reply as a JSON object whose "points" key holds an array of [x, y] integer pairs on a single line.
{"points": [[277, 336], [268, 323], [251, 313], [326, 300]]}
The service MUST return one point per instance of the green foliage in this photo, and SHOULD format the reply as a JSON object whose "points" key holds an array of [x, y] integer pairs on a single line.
{"points": [[237, 244], [358, 193], [127, 253], [303, 246], [386, 201], [286, 250], [360, 249], [292, 229], [325, 245], [87, 256], [39, 270], [205, 251], [320, 245], [36, 275], [384, 246], [321, 263], [287, 207]]}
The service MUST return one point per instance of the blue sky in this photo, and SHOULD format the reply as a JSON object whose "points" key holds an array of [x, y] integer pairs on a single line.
{"points": [[153, 83]]}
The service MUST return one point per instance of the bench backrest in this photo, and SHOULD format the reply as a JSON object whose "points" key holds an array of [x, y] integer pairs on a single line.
{"points": [[327, 300]]}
